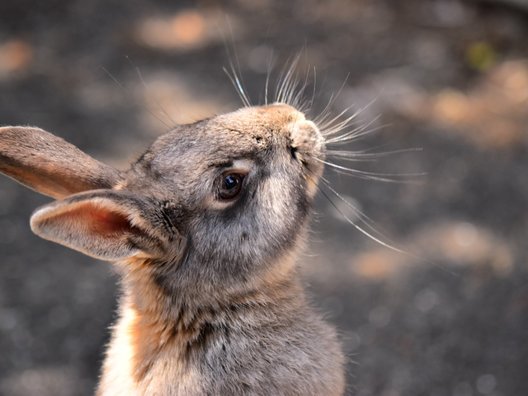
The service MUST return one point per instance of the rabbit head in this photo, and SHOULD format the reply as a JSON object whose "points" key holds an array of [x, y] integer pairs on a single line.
{"points": [[223, 201]]}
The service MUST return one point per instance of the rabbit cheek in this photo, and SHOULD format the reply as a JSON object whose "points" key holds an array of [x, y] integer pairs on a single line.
{"points": [[282, 214]]}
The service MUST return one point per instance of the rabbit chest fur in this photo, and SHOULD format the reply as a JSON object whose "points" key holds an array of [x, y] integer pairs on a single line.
{"points": [[204, 230]]}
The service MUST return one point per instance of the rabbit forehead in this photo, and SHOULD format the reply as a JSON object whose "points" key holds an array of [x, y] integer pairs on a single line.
{"points": [[271, 120], [245, 133]]}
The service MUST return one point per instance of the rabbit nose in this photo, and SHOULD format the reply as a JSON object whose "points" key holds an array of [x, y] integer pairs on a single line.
{"points": [[305, 137]]}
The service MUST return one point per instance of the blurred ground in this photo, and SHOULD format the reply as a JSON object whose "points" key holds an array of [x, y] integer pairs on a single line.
{"points": [[448, 76]]}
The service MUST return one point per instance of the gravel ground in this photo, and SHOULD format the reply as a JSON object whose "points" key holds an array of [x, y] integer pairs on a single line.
{"points": [[449, 317]]}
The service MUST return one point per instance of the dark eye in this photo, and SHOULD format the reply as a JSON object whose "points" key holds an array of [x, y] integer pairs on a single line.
{"points": [[230, 185]]}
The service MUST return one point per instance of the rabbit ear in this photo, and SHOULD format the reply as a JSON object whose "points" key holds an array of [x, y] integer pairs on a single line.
{"points": [[105, 224], [50, 165]]}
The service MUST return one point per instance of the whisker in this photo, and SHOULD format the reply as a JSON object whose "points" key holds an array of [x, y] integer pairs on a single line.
{"points": [[389, 245], [366, 156], [338, 130], [290, 89], [142, 80], [325, 113], [286, 80], [126, 92], [268, 75], [374, 233], [326, 125], [371, 224], [311, 102], [341, 125], [296, 101], [333, 97], [280, 83], [356, 133], [334, 126], [238, 87], [385, 177], [235, 71], [292, 80]]}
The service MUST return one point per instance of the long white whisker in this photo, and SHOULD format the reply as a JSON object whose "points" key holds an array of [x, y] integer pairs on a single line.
{"points": [[356, 133], [386, 177], [311, 102], [363, 155], [358, 227], [325, 113], [281, 83], [124, 90], [268, 74], [140, 76], [288, 80], [237, 82], [325, 125], [238, 87], [295, 100], [234, 78], [371, 224], [339, 126], [293, 81], [331, 101]]}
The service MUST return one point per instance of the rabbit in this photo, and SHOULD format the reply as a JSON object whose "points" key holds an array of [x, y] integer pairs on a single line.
{"points": [[205, 229]]}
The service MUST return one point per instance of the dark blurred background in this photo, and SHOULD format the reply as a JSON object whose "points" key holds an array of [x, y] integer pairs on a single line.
{"points": [[447, 76]]}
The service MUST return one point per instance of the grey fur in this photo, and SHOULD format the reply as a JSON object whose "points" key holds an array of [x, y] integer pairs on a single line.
{"points": [[212, 302]]}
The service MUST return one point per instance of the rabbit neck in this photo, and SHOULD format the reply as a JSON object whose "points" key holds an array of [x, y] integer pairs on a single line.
{"points": [[177, 329]]}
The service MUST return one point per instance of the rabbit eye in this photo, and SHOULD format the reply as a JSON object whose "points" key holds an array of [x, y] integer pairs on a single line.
{"points": [[230, 185]]}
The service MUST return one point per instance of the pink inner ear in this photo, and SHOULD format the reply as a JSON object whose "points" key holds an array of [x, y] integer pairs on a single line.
{"points": [[100, 220]]}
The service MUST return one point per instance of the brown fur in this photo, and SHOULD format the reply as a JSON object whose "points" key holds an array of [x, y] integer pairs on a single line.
{"points": [[212, 303], [151, 332]]}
